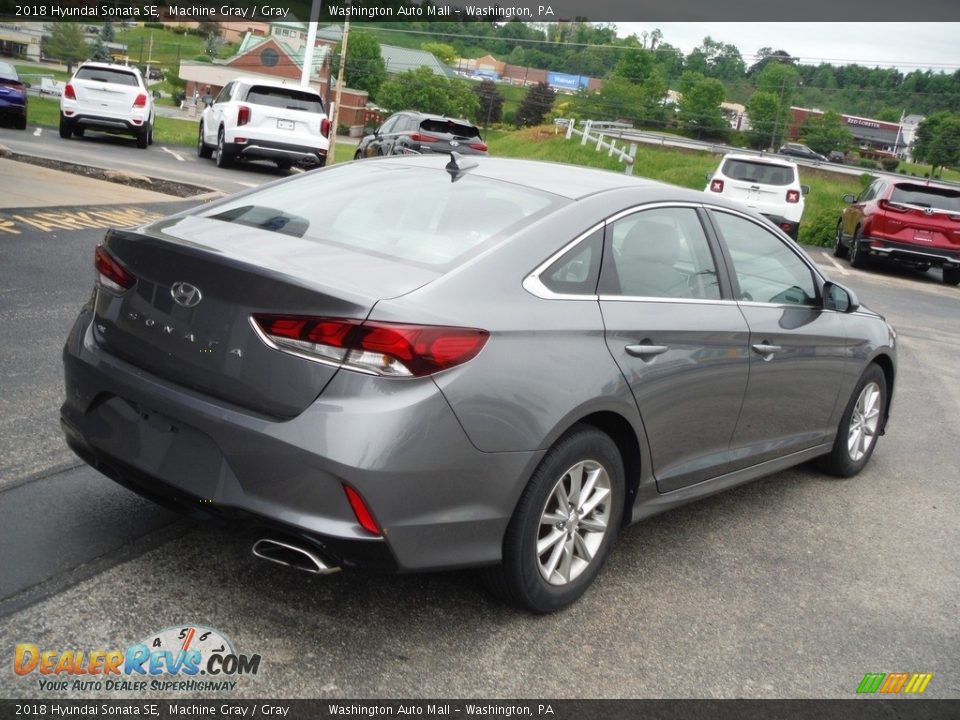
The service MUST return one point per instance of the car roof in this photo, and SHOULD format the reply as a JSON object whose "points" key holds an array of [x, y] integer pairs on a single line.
{"points": [[293, 84], [110, 66], [767, 159], [570, 181]]}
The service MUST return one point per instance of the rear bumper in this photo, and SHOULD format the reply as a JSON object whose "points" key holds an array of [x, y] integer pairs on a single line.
{"points": [[905, 252], [255, 149], [790, 227], [99, 122], [440, 502]]}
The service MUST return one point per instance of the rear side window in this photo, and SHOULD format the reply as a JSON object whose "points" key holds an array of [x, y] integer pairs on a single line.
{"points": [[576, 272], [8, 72], [287, 98], [927, 197], [414, 214], [107, 75], [758, 172], [456, 129]]}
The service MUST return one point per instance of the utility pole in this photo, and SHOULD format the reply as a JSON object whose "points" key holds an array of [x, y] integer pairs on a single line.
{"points": [[309, 48], [336, 101]]}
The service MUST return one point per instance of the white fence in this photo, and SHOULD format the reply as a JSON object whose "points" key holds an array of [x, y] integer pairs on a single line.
{"points": [[625, 154]]}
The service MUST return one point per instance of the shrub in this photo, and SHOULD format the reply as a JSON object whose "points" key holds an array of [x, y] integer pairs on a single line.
{"points": [[865, 179], [157, 25], [889, 164], [867, 163], [202, 58], [818, 229], [343, 129]]}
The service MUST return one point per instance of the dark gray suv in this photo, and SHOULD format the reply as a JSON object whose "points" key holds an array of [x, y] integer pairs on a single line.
{"points": [[426, 363]]}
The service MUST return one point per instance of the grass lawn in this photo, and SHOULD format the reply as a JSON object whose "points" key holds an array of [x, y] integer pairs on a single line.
{"points": [[679, 166]]}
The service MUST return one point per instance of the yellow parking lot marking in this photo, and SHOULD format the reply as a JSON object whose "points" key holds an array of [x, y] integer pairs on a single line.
{"points": [[51, 221]]}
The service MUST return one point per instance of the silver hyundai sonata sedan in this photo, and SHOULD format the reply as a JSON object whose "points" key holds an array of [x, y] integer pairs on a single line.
{"points": [[423, 363]]}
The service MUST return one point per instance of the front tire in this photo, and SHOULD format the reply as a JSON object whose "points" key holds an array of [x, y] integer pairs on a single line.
{"points": [[839, 249], [564, 524], [860, 426]]}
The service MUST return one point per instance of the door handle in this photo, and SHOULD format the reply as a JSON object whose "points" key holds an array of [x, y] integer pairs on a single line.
{"points": [[645, 351], [766, 349]]}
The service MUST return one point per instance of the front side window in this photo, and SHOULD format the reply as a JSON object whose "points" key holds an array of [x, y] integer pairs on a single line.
{"points": [[660, 253], [766, 269], [224, 95]]}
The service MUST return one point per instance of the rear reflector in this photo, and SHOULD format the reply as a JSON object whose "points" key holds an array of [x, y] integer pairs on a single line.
{"points": [[243, 115], [793, 196], [376, 348], [716, 186], [141, 101], [361, 511], [421, 138], [111, 274], [69, 93]]}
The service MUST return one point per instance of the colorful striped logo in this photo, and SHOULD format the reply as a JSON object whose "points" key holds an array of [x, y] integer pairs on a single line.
{"points": [[892, 683]]}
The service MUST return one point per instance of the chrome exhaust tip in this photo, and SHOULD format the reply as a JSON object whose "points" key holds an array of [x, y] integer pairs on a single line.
{"points": [[295, 556]]}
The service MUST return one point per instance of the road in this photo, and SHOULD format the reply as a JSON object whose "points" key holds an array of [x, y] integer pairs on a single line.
{"points": [[793, 586]]}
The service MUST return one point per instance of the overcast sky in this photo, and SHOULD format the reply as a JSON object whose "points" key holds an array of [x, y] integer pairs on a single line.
{"points": [[908, 46]]}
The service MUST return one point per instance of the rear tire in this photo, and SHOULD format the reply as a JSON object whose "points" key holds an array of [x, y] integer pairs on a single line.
{"points": [[951, 276], [66, 128], [143, 138], [203, 150], [284, 164], [839, 249], [78, 132], [564, 524], [224, 157], [860, 426], [858, 258], [20, 123]]}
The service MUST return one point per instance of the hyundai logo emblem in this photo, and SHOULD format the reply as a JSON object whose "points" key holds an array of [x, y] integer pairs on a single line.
{"points": [[186, 294]]}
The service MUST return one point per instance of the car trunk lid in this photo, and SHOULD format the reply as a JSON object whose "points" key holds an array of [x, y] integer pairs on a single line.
{"points": [[199, 280], [922, 215], [110, 89]]}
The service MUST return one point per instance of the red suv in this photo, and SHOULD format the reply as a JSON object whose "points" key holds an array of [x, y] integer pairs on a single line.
{"points": [[912, 222]]}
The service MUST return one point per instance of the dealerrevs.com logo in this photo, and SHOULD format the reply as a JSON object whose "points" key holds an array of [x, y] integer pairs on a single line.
{"points": [[179, 659]]}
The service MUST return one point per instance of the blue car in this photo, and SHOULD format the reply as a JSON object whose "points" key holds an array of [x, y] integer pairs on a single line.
{"points": [[13, 96]]}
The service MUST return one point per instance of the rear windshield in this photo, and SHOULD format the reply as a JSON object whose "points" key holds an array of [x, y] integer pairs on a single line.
{"points": [[927, 197], [287, 98], [758, 172], [413, 214], [460, 130], [107, 75]]}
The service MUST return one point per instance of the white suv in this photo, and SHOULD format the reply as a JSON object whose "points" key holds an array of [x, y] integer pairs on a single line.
{"points": [[261, 119], [771, 186], [107, 97]]}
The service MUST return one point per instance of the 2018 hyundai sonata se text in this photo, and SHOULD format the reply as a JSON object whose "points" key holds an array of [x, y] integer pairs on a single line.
{"points": [[423, 363]]}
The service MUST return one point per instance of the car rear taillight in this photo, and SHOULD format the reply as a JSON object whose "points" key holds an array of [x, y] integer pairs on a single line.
{"points": [[325, 127], [141, 101], [793, 196], [69, 93], [482, 147], [111, 274], [716, 186], [13, 84], [892, 206], [243, 115], [421, 138], [376, 348], [361, 511]]}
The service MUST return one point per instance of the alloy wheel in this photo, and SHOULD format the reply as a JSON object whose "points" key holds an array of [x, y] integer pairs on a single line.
{"points": [[574, 522], [864, 422]]}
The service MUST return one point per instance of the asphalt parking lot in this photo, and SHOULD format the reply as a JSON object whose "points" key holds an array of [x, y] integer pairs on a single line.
{"points": [[793, 586]]}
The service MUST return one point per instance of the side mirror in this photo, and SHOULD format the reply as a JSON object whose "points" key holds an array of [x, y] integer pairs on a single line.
{"points": [[26, 84], [837, 297], [208, 100], [849, 199], [805, 189]]}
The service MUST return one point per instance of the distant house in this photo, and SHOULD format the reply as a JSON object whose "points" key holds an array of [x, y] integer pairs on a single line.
{"points": [[397, 59]]}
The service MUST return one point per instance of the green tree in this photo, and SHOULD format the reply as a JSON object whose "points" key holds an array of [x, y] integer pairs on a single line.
{"points": [[763, 110], [535, 105], [699, 107], [66, 43], [422, 90], [99, 51], [825, 133], [491, 102], [769, 114], [447, 54], [107, 32], [635, 65], [365, 68], [937, 141]]}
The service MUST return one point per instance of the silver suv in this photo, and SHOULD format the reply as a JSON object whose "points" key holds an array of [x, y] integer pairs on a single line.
{"points": [[254, 119], [110, 98]]}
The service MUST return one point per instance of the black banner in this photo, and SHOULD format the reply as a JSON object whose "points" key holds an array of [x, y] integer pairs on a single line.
{"points": [[854, 709]]}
